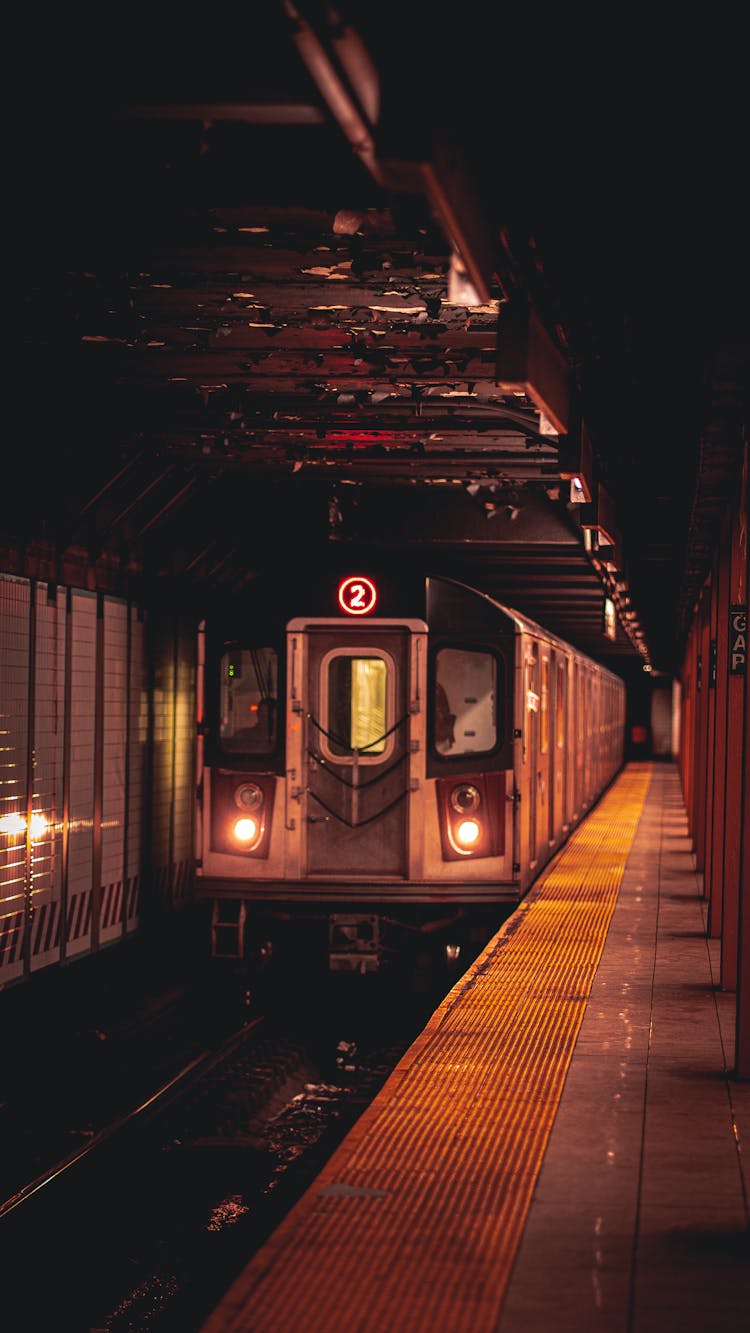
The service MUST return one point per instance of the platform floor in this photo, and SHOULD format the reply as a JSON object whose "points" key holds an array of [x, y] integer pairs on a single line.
{"points": [[639, 1222], [592, 1182]]}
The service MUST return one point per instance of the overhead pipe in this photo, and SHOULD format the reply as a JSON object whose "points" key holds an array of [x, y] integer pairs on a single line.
{"points": [[350, 86], [334, 89]]}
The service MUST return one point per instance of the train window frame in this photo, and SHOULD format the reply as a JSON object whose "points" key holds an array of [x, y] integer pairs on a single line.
{"points": [[358, 650], [500, 685], [238, 753], [544, 692], [561, 681]]}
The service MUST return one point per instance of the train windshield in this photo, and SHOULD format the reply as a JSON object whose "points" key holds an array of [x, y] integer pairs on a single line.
{"points": [[249, 692], [465, 702]]}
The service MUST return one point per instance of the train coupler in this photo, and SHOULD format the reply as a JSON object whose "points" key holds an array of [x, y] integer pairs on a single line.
{"points": [[353, 942]]}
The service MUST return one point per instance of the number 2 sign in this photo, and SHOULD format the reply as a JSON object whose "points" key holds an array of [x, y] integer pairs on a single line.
{"points": [[357, 595]]}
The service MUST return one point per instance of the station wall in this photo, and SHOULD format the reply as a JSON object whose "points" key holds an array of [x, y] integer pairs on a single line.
{"points": [[96, 771], [715, 754]]}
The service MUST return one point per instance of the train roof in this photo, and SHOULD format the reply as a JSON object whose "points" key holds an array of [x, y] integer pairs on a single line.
{"points": [[440, 606]]}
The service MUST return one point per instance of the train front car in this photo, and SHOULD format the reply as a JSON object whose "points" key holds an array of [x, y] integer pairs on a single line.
{"points": [[385, 771]]}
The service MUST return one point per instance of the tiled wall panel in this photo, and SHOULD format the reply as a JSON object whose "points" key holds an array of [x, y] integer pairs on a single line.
{"points": [[112, 775]]}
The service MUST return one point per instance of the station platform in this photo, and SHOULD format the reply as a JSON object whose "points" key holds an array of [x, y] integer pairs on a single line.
{"points": [[561, 1150]]}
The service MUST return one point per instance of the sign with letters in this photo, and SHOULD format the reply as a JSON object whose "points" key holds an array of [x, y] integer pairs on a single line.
{"points": [[737, 640]]}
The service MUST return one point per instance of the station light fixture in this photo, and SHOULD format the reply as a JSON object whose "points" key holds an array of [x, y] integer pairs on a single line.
{"points": [[14, 825]]}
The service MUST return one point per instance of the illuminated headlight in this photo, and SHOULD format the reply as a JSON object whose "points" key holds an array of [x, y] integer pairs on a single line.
{"points": [[471, 814], [467, 832], [38, 826], [241, 814], [245, 830]]}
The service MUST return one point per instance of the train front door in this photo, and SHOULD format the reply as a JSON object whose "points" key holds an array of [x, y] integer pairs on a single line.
{"points": [[357, 751]]}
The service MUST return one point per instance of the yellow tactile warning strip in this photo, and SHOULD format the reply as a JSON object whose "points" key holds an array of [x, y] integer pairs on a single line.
{"points": [[415, 1221]]}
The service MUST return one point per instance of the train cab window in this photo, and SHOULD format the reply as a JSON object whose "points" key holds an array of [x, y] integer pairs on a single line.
{"points": [[248, 700], [355, 704], [560, 706], [465, 702]]}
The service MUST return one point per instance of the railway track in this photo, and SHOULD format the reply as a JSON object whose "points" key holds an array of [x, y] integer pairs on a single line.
{"points": [[143, 1226]]}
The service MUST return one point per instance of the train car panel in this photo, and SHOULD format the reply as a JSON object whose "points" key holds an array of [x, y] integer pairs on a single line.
{"points": [[356, 738], [353, 761]]}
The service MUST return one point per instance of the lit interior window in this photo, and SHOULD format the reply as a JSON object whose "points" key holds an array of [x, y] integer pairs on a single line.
{"points": [[357, 698]]}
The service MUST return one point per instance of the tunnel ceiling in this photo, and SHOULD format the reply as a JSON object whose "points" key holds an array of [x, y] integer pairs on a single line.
{"points": [[345, 283]]}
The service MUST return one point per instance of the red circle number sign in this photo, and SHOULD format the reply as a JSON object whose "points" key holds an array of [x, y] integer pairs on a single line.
{"points": [[357, 595]]}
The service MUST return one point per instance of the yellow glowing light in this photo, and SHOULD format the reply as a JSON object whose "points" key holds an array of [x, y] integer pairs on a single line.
{"points": [[16, 825], [467, 832], [245, 830], [12, 824]]}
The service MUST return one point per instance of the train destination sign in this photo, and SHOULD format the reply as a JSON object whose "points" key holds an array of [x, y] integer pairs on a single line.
{"points": [[357, 595], [737, 640]]}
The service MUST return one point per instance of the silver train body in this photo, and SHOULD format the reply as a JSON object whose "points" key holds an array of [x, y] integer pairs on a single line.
{"points": [[357, 763]]}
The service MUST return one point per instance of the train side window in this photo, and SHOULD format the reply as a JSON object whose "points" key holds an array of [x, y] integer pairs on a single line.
{"points": [[465, 702], [560, 706], [355, 705], [579, 704], [544, 708], [249, 680]]}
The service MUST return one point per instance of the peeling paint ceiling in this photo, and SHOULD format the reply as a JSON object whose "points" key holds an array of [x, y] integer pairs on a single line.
{"points": [[273, 266]]}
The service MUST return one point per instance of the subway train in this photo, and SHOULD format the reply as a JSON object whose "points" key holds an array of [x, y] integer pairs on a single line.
{"points": [[383, 752]]}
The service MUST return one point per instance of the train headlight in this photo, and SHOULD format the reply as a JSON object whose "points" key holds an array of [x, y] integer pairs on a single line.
{"points": [[249, 796], [241, 814], [472, 813], [245, 830], [467, 832], [465, 797], [38, 826]]}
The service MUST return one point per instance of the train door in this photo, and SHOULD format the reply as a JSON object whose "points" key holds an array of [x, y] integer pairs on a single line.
{"points": [[356, 759], [588, 735], [579, 739], [531, 743], [546, 757], [560, 806]]}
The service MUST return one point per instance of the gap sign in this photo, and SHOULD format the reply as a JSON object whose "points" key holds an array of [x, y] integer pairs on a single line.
{"points": [[737, 640]]}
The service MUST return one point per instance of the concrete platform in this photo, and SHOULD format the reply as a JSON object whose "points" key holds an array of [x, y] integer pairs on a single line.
{"points": [[561, 1151], [640, 1220]]}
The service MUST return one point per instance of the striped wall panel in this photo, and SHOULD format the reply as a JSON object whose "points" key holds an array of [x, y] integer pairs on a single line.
{"points": [[74, 695], [114, 764], [82, 741], [138, 743]]}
